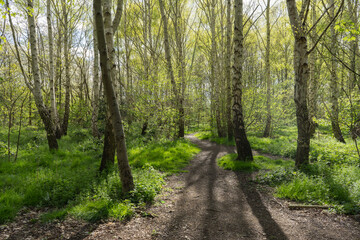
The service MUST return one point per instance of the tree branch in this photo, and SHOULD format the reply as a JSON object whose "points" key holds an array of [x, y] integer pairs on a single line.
{"points": [[318, 20], [17, 49], [118, 14], [327, 27]]}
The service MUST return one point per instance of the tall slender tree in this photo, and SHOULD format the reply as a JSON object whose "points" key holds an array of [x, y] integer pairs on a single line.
{"points": [[123, 163], [230, 133], [298, 22], [267, 73], [179, 28], [301, 77], [334, 89], [313, 84], [169, 63], [110, 27], [54, 114], [96, 87], [242, 144], [37, 92], [65, 12]]}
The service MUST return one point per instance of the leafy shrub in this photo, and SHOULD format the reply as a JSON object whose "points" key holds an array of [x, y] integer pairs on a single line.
{"points": [[148, 182], [121, 211], [304, 189], [276, 177]]}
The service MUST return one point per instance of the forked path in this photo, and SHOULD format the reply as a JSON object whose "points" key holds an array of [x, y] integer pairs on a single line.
{"points": [[208, 202]]}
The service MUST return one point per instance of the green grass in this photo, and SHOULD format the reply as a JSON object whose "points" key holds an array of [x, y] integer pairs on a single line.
{"points": [[229, 162], [209, 135], [68, 182], [338, 186], [323, 147], [168, 156], [58, 214]]}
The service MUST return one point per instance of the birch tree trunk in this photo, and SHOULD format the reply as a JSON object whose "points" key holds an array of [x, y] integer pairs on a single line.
{"points": [[123, 163], [178, 27], [43, 111], [313, 84], [353, 6], [59, 67], [242, 144], [54, 114], [267, 73], [128, 89], [168, 57], [334, 90], [230, 132], [108, 156], [301, 68], [96, 86], [214, 76], [145, 58], [65, 123]]}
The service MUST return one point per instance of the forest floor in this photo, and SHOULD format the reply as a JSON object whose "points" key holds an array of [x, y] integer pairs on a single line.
{"points": [[206, 202]]}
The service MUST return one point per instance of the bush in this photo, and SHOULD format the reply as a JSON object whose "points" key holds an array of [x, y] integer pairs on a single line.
{"points": [[148, 182], [304, 189]]}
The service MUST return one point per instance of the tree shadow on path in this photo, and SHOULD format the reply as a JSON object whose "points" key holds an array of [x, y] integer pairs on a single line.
{"points": [[217, 204], [270, 227]]}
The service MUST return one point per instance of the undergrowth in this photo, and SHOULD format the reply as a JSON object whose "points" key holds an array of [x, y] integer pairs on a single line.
{"points": [[68, 181]]}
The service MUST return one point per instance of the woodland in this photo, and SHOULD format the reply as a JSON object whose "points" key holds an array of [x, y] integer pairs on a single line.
{"points": [[101, 102]]}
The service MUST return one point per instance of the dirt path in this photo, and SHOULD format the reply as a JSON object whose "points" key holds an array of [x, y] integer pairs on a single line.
{"points": [[210, 203]]}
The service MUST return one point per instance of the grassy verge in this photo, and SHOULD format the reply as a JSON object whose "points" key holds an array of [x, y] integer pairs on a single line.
{"points": [[337, 185], [68, 182]]}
